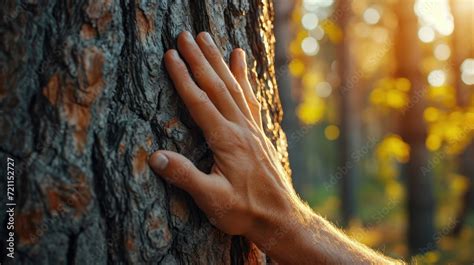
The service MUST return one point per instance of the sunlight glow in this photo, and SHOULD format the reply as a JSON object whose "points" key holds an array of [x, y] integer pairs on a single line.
{"points": [[310, 46], [309, 21], [468, 66], [312, 5], [436, 14], [371, 16], [437, 78], [323, 89], [442, 52], [467, 71], [426, 34], [467, 79]]}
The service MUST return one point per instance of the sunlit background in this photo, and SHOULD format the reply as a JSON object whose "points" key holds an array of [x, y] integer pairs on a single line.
{"points": [[379, 116]]}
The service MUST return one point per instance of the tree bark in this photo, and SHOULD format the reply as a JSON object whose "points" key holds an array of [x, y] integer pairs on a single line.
{"points": [[84, 99]]}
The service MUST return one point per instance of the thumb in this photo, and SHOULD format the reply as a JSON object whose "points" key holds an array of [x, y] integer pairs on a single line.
{"points": [[180, 171]]}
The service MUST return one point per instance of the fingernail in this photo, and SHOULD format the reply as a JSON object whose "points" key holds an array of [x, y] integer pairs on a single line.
{"points": [[243, 61], [159, 162], [242, 53], [173, 53], [208, 38], [188, 35]]}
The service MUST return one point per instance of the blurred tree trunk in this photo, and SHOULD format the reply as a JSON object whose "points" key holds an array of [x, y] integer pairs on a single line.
{"points": [[462, 49], [349, 114], [290, 122], [420, 198], [84, 99]]}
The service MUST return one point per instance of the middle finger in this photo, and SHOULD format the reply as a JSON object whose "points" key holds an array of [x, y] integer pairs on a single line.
{"points": [[207, 78]]}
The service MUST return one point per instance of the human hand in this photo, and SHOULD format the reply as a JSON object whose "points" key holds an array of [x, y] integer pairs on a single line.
{"points": [[247, 191], [247, 187]]}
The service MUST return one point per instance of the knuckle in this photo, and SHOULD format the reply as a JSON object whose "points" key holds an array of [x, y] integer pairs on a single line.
{"points": [[200, 99], [241, 73], [218, 135], [178, 175], [219, 87], [214, 55], [234, 87], [227, 138], [199, 72], [254, 103], [239, 204], [181, 67], [242, 138]]}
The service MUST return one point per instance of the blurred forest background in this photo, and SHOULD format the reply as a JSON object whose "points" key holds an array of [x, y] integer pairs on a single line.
{"points": [[379, 115]]}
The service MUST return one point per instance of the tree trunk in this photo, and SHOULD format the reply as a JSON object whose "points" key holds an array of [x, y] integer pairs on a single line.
{"points": [[84, 99], [462, 46], [462, 49], [420, 197], [290, 123], [349, 111]]}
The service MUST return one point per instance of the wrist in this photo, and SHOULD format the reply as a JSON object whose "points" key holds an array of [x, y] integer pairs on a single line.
{"points": [[274, 227]]}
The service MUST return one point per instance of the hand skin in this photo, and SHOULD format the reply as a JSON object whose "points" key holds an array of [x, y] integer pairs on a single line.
{"points": [[247, 191]]}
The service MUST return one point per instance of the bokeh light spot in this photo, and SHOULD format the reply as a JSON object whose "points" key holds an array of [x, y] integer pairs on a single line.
{"points": [[331, 132], [311, 111], [371, 16], [433, 142], [437, 78], [324, 89], [442, 52], [296, 67], [431, 114], [426, 34], [467, 71], [310, 21], [310, 46]]}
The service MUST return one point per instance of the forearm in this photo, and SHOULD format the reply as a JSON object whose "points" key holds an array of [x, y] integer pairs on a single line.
{"points": [[306, 238]]}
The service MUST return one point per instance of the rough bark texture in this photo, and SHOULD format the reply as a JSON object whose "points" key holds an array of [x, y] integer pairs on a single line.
{"points": [[84, 99]]}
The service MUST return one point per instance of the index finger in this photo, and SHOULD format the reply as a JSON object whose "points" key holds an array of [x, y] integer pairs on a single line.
{"points": [[203, 111]]}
